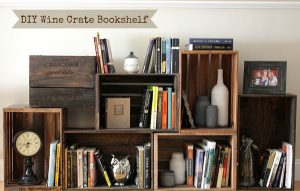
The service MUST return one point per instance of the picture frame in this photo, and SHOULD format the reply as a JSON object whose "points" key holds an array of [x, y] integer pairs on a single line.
{"points": [[264, 77]]}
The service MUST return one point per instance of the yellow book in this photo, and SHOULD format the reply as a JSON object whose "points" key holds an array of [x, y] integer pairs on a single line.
{"points": [[154, 106], [57, 164]]}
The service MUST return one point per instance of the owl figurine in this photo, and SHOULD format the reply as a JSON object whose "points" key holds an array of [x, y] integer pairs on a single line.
{"points": [[120, 170]]}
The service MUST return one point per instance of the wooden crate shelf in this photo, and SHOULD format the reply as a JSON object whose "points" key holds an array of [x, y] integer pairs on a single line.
{"points": [[209, 131], [133, 86], [47, 122], [268, 120]]}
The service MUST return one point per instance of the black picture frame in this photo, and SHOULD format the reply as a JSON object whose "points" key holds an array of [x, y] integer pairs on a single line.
{"points": [[256, 81]]}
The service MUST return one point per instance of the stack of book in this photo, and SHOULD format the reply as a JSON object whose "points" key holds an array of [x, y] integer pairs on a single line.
{"points": [[162, 56], [210, 44], [81, 169], [103, 55], [143, 166], [54, 164], [158, 108], [208, 164], [276, 167]]}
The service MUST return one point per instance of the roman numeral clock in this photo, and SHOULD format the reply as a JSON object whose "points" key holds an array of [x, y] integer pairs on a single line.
{"points": [[28, 143]]}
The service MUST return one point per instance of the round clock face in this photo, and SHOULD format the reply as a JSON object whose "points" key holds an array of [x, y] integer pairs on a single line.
{"points": [[28, 143]]}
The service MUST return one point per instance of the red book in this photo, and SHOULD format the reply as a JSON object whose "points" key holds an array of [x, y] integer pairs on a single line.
{"points": [[173, 109], [92, 168], [224, 170], [164, 110]]}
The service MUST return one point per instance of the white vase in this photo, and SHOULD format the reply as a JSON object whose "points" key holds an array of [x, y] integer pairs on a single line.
{"points": [[219, 97], [177, 165]]}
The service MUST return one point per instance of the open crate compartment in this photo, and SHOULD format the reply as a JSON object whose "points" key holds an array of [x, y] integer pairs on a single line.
{"points": [[269, 120], [133, 86], [166, 144], [47, 123], [199, 72], [119, 144]]}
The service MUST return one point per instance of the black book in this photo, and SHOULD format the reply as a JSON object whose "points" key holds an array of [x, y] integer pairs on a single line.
{"points": [[73, 166], [106, 50], [175, 55], [152, 67], [148, 56], [158, 55], [147, 165], [210, 47], [102, 166], [69, 154], [85, 167], [146, 109], [159, 109], [263, 167]]}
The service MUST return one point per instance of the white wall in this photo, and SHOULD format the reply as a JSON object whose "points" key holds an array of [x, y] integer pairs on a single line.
{"points": [[259, 34]]}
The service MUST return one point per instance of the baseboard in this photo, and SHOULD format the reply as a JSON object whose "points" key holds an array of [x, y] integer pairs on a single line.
{"points": [[297, 169], [1, 170]]}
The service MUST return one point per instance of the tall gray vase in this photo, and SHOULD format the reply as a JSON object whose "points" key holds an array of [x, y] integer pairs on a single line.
{"points": [[200, 110]]}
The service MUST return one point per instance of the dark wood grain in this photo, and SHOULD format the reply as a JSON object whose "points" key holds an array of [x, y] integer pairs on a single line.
{"points": [[46, 124], [269, 120], [62, 97], [62, 71]]}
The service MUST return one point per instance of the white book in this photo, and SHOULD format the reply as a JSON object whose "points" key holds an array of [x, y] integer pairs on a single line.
{"points": [[205, 164], [288, 148], [80, 167], [211, 157], [275, 166]]}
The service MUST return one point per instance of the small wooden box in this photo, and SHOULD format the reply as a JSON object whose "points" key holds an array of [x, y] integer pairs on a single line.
{"points": [[117, 113], [62, 71]]}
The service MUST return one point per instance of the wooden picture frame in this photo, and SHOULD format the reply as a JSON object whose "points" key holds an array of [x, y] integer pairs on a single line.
{"points": [[264, 77]]}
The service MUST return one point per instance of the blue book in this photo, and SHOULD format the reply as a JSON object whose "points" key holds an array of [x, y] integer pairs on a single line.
{"points": [[168, 56], [211, 41], [51, 170], [169, 108]]}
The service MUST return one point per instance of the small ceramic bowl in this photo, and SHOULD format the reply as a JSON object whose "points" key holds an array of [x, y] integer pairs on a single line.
{"points": [[166, 178]]}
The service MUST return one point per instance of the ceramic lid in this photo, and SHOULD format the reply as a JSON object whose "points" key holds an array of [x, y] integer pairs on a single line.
{"points": [[131, 55]]}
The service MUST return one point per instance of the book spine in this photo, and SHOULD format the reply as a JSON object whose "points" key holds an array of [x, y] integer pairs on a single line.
{"points": [[158, 55], [189, 149], [69, 171], [220, 172], [228, 166], [288, 149], [148, 56], [57, 165], [168, 56], [79, 169], [175, 55], [111, 61], [224, 169], [173, 110], [210, 41], [97, 55], [92, 168], [88, 170], [140, 167], [159, 111], [211, 160], [205, 166], [100, 53], [278, 172], [65, 167], [145, 109], [106, 50], [197, 170], [275, 167], [51, 169], [164, 109], [163, 56], [147, 167], [283, 172], [84, 165], [268, 170], [103, 169], [104, 59], [154, 107], [152, 67], [210, 47], [263, 168], [169, 108]]}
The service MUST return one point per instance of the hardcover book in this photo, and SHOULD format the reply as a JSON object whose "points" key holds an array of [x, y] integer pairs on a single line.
{"points": [[147, 165], [117, 113], [140, 166], [51, 170], [189, 150], [57, 164], [146, 109], [102, 166]]}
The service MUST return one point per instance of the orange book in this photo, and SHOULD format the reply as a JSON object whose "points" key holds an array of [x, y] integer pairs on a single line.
{"points": [[164, 110], [189, 151], [173, 110]]}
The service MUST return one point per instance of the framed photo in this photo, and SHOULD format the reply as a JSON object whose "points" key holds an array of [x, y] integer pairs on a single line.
{"points": [[265, 77]]}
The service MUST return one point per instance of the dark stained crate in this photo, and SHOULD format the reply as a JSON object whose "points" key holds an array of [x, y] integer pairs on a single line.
{"points": [[62, 71], [62, 97]]}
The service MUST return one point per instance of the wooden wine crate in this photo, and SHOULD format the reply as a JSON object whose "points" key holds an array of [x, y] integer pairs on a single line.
{"points": [[48, 123], [62, 81], [62, 71]]}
